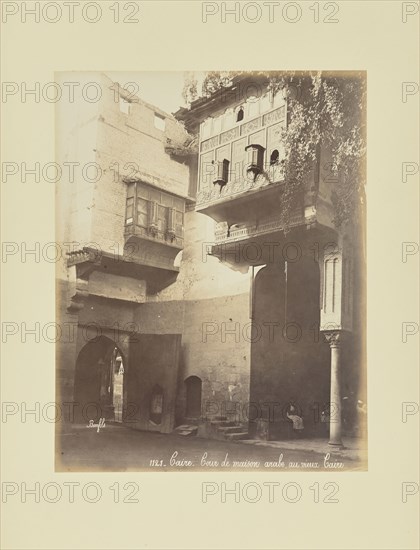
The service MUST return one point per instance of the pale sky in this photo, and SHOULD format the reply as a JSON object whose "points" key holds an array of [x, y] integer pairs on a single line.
{"points": [[162, 89]]}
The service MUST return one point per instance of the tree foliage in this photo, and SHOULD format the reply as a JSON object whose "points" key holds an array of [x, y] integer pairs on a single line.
{"points": [[327, 114], [213, 81], [190, 89]]}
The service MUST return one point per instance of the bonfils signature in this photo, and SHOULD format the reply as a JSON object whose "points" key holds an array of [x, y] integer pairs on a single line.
{"points": [[98, 426]]}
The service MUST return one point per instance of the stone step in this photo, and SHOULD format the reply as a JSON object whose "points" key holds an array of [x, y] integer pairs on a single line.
{"points": [[222, 423], [231, 429], [237, 436], [186, 430]]}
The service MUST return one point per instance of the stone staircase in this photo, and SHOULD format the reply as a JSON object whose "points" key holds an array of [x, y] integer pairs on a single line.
{"points": [[224, 429]]}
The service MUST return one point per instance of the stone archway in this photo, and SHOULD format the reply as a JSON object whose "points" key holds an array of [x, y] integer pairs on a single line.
{"points": [[290, 360], [99, 381]]}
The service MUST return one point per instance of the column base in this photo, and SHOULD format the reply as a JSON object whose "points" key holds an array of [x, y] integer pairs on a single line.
{"points": [[336, 445]]}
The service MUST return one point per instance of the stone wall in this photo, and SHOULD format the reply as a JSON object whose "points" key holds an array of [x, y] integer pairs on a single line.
{"points": [[109, 145], [208, 300]]}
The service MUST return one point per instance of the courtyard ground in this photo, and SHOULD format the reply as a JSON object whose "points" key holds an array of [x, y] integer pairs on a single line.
{"points": [[120, 449]]}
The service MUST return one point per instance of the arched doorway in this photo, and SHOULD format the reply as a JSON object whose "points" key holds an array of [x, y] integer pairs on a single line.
{"points": [[290, 360], [99, 381], [193, 397]]}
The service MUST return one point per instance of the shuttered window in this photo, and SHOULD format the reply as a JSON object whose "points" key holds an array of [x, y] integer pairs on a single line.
{"points": [[154, 210]]}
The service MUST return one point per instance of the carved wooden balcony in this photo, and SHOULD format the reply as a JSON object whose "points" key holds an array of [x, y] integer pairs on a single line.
{"points": [[265, 226], [154, 226], [252, 149], [154, 235], [233, 201]]}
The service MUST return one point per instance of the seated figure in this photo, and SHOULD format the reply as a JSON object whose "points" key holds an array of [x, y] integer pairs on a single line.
{"points": [[297, 420]]}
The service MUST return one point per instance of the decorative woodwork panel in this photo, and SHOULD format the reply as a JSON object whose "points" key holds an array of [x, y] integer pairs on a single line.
{"points": [[258, 138], [238, 160], [251, 126], [229, 135], [274, 116], [206, 170], [209, 144]]}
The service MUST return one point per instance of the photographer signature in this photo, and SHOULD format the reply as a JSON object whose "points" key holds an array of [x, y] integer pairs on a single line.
{"points": [[98, 426]]}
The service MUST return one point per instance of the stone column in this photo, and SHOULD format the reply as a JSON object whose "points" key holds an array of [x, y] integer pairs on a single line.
{"points": [[333, 338]]}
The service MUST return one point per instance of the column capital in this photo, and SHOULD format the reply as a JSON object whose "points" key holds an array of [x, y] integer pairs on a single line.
{"points": [[333, 337]]}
